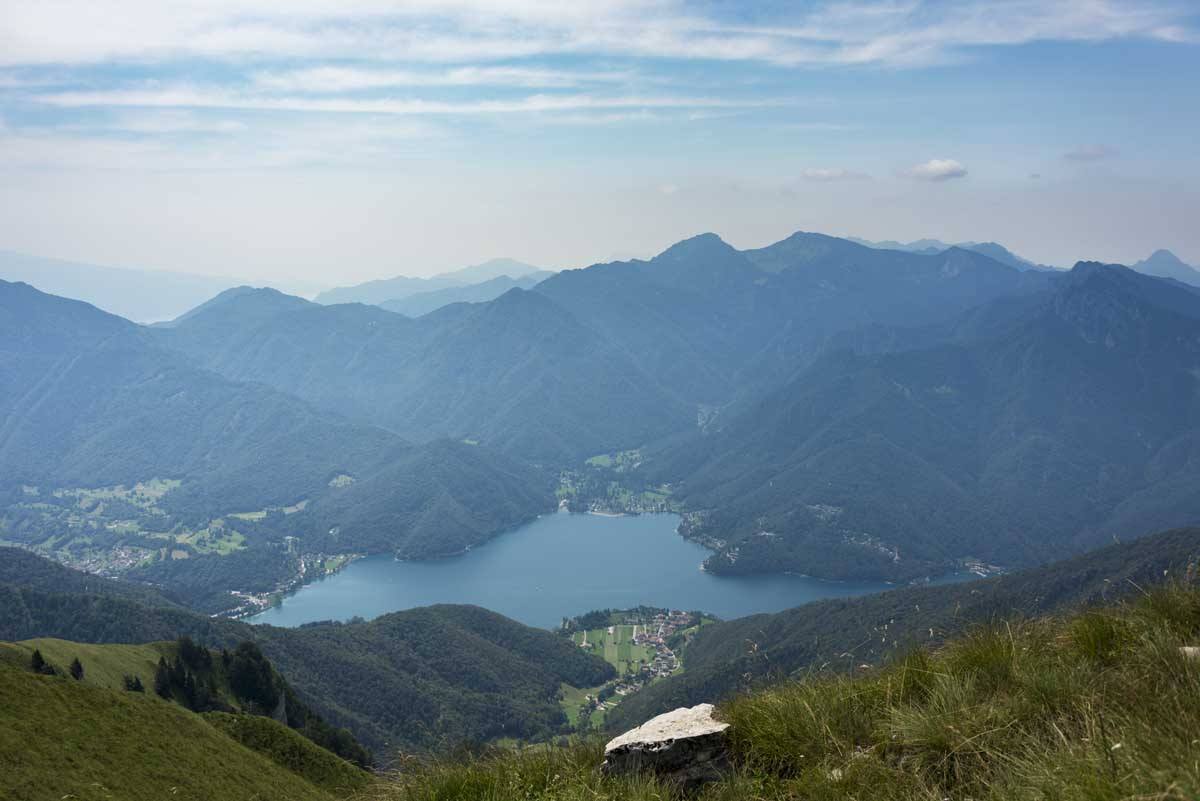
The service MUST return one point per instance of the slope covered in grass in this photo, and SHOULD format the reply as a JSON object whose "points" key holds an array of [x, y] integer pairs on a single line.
{"points": [[290, 750], [1099, 705], [60, 738], [104, 665], [841, 634]]}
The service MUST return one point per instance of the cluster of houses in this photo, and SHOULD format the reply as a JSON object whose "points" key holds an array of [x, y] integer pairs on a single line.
{"points": [[651, 631]]}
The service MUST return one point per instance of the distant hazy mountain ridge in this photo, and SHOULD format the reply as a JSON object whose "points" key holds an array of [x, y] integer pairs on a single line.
{"points": [[401, 287], [139, 295], [815, 405], [1166, 264]]}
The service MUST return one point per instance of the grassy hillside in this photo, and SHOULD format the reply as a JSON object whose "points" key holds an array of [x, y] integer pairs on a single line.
{"points": [[1101, 705], [842, 634], [60, 738], [287, 748], [243, 681], [416, 679], [105, 666]]}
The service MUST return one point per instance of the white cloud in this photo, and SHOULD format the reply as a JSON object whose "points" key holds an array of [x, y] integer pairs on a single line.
{"points": [[1090, 153], [344, 79], [192, 97], [936, 170], [464, 31], [829, 174]]}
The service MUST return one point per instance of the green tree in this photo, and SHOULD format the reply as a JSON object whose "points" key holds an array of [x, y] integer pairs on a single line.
{"points": [[37, 663], [76, 669], [162, 678]]}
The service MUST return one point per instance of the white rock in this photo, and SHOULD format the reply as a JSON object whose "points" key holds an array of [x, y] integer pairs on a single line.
{"points": [[686, 746]]}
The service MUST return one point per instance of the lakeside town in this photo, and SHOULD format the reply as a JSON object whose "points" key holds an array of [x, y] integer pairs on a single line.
{"points": [[640, 643]]}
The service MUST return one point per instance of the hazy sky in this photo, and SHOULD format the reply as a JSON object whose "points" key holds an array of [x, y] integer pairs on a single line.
{"points": [[341, 140]]}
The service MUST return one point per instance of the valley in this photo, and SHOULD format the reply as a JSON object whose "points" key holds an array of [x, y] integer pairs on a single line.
{"points": [[390, 507], [626, 400]]}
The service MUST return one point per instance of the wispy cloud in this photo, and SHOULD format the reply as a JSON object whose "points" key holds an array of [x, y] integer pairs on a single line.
{"points": [[830, 174], [936, 170], [191, 97], [333, 79], [465, 31], [1090, 153]]}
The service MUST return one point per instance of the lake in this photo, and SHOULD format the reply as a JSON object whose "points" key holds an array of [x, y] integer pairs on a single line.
{"points": [[558, 565]]}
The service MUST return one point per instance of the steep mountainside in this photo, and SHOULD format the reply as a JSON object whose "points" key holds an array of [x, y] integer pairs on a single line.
{"points": [[518, 374], [436, 676], [667, 340], [714, 323], [1074, 418], [110, 442], [129, 746], [237, 681], [842, 634]]}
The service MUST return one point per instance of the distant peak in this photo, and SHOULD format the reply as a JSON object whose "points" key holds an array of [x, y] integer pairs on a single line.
{"points": [[701, 244], [1164, 255], [254, 300]]}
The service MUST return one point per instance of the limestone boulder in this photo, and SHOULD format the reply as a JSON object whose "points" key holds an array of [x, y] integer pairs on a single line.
{"points": [[687, 747]]}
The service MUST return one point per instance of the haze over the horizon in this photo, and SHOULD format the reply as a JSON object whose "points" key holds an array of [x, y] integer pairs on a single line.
{"points": [[340, 142]]}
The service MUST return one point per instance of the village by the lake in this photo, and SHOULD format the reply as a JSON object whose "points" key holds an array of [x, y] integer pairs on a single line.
{"points": [[642, 644]]}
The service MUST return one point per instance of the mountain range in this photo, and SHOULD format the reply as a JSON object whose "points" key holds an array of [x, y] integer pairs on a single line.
{"points": [[993, 250], [816, 405], [163, 455], [1041, 433], [401, 287], [425, 302]]}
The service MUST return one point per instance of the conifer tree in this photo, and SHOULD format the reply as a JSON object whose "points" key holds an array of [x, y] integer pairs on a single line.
{"points": [[37, 662], [76, 669], [162, 678]]}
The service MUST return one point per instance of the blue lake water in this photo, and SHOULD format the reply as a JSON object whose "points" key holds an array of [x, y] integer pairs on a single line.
{"points": [[559, 565]]}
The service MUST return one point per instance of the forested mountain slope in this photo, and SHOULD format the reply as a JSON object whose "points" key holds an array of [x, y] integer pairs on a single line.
{"points": [[1042, 430], [715, 323], [517, 374], [111, 442]]}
